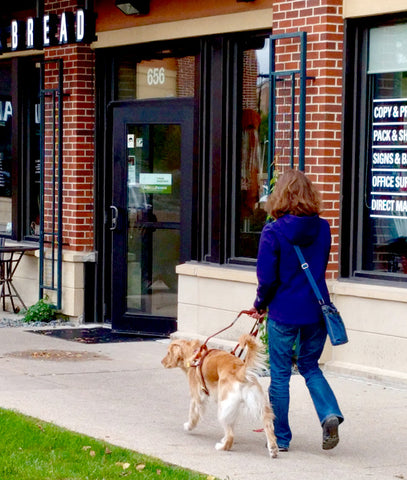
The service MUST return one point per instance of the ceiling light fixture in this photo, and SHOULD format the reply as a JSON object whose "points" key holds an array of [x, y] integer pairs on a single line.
{"points": [[133, 7]]}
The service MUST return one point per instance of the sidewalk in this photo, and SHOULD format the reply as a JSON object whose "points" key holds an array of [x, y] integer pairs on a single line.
{"points": [[120, 392]]}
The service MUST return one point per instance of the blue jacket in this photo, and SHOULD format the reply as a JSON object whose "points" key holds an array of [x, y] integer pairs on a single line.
{"points": [[282, 284]]}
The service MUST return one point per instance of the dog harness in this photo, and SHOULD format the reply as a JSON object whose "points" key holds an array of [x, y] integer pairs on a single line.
{"points": [[197, 363], [201, 354]]}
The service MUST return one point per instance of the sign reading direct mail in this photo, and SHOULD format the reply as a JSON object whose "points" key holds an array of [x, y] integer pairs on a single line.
{"points": [[156, 182], [389, 159]]}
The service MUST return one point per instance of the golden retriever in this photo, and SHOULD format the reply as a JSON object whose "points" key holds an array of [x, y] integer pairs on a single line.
{"points": [[231, 381]]}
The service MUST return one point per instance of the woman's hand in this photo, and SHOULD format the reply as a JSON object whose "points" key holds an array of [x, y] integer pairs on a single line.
{"points": [[257, 314]]}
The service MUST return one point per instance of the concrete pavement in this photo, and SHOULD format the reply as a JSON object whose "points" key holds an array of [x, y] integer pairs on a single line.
{"points": [[119, 392]]}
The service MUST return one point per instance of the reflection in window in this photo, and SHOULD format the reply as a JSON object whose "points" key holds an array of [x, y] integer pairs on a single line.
{"points": [[154, 214], [33, 152], [28, 147], [253, 173], [6, 112]]}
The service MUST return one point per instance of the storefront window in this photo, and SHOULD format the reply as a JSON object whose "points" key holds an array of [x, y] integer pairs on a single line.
{"points": [[253, 172], [19, 152], [6, 113], [385, 232]]}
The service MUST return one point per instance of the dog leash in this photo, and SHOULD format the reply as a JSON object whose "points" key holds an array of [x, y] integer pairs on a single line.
{"points": [[203, 351]]}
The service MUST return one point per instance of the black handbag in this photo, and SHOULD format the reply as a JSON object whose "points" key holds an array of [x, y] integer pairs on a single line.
{"points": [[334, 323]]}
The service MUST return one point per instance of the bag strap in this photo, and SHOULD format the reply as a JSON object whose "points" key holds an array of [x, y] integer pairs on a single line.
{"points": [[307, 271]]}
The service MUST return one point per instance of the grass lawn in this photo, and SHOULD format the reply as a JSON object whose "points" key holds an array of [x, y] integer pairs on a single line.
{"points": [[31, 449]]}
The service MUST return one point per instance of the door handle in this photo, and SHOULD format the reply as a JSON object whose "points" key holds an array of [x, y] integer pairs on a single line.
{"points": [[115, 216]]}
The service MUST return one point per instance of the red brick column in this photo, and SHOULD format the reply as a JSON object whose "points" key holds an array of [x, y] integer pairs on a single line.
{"points": [[78, 137], [322, 20]]}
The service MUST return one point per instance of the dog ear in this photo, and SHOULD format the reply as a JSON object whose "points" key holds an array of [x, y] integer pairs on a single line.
{"points": [[176, 354]]}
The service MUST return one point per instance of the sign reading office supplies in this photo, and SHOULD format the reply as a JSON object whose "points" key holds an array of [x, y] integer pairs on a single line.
{"points": [[48, 31], [389, 159]]}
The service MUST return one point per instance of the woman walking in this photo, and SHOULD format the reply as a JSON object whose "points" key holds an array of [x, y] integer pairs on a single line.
{"points": [[292, 308]]}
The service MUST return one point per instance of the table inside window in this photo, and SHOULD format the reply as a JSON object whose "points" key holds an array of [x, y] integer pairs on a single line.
{"points": [[10, 257]]}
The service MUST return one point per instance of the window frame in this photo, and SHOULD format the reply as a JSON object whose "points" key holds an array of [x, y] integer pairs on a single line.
{"points": [[357, 101], [229, 63]]}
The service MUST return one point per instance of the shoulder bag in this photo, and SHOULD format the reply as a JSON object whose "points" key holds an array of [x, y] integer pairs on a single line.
{"points": [[334, 323]]}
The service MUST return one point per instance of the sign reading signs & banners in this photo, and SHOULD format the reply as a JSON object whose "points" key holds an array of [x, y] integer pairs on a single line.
{"points": [[389, 159]]}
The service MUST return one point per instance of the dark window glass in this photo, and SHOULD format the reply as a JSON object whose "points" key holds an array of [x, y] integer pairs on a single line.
{"points": [[254, 133], [6, 113], [33, 151], [385, 195], [19, 151], [385, 232]]}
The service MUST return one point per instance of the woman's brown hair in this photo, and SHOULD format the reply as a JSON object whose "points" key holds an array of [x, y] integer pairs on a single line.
{"points": [[294, 194]]}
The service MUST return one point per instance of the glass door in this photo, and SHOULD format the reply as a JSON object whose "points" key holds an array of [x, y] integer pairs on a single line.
{"points": [[150, 211]]}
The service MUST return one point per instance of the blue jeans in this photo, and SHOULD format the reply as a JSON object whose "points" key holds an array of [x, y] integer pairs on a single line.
{"points": [[311, 339]]}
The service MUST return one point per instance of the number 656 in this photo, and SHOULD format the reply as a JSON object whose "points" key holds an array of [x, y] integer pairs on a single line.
{"points": [[156, 76]]}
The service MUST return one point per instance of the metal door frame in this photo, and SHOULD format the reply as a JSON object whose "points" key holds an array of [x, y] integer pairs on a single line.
{"points": [[278, 75], [148, 111]]}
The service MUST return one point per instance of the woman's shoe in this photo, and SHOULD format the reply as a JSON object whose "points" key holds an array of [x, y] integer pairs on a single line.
{"points": [[281, 449], [330, 435]]}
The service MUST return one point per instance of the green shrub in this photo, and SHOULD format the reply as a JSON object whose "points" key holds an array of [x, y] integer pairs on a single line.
{"points": [[42, 311]]}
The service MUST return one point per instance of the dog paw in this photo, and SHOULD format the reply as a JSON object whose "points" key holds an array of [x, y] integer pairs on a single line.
{"points": [[220, 446], [273, 450], [187, 427]]}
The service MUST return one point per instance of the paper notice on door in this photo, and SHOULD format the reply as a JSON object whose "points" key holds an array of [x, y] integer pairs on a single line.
{"points": [[156, 182], [130, 140]]}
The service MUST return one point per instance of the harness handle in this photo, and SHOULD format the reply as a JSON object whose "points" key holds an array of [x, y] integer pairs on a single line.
{"points": [[254, 331], [229, 326]]}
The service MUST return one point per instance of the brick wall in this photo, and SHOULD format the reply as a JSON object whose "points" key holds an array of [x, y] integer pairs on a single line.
{"points": [[78, 137], [186, 77], [322, 20], [250, 68]]}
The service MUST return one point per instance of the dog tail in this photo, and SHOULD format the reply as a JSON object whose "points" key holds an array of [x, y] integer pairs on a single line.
{"points": [[253, 349], [256, 359]]}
